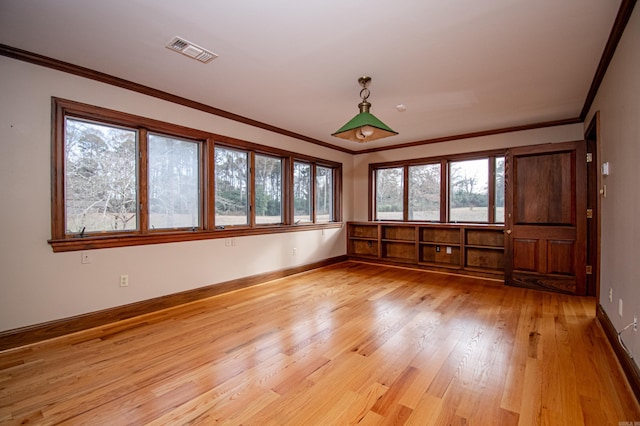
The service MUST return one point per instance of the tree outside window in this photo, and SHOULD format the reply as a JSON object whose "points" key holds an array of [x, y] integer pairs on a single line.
{"points": [[268, 197], [174, 183], [389, 193], [324, 194], [232, 193], [424, 192], [302, 192], [469, 191], [100, 178]]}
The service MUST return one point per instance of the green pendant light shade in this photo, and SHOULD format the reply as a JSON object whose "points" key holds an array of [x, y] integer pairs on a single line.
{"points": [[364, 127]]}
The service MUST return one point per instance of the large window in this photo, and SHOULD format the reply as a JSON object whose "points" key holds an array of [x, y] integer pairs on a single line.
{"points": [[118, 176], [324, 194], [100, 175], [499, 192], [174, 183], [302, 192], [268, 201], [232, 187], [424, 192], [467, 189], [389, 190]]}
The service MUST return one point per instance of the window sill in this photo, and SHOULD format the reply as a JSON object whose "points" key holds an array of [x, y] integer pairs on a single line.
{"points": [[73, 243]]}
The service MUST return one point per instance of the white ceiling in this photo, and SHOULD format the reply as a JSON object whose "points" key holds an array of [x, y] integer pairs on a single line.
{"points": [[459, 66]]}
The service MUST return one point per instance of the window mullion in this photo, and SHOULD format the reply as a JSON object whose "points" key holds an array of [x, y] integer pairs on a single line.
{"points": [[312, 189], [208, 188], [143, 181], [252, 189], [444, 191], [405, 193]]}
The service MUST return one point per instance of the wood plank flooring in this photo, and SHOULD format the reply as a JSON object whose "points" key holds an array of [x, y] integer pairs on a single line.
{"points": [[348, 344]]}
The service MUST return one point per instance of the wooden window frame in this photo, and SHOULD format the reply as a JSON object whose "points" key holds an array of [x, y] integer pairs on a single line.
{"points": [[444, 162], [61, 241]]}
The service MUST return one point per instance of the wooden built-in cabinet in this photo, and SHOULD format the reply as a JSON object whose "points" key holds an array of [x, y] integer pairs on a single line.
{"points": [[473, 249]]}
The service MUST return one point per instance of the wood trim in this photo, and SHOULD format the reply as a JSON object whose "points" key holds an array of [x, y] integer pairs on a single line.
{"points": [[60, 241], [444, 190], [405, 193], [208, 220], [619, 25], [36, 333], [475, 155], [34, 58], [160, 237], [592, 138], [142, 177], [629, 367], [55, 64], [478, 134]]}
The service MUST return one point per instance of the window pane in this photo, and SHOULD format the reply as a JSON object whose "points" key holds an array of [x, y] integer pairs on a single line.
{"points": [[268, 176], [389, 193], [424, 192], [174, 176], [100, 177], [468, 191], [232, 207], [324, 194], [499, 190], [302, 192]]}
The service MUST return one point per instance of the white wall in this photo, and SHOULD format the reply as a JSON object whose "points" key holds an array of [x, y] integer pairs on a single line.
{"points": [[556, 134], [618, 101], [37, 285]]}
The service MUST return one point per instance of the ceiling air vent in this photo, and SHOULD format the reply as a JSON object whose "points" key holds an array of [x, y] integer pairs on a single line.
{"points": [[180, 45]]}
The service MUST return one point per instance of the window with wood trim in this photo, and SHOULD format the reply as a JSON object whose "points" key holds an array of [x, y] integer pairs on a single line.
{"points": [[324, 194], [458, 189], [122, 180]]}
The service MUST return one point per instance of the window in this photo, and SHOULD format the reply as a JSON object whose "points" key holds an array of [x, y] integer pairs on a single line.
{"points": [[469, 191], [100, 172], [121, 180], [268, 201], [302, 192], [232, 192], [324, 194], [389, 190], [467, 188], [174, 183], [424, 192], [499, 192]]}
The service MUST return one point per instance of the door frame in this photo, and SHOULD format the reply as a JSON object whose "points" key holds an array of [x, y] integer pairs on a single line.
{"points": [[579, 205], [594, 201]]}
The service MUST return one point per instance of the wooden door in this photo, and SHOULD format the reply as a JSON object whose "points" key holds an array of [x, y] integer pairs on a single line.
{"points": [[545, 223]]}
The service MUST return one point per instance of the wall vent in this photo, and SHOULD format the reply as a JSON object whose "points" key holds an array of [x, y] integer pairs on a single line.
{"points": [[180, 45]]}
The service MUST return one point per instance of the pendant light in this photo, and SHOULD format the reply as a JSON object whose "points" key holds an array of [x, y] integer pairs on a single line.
{"points": [[364, 127]]}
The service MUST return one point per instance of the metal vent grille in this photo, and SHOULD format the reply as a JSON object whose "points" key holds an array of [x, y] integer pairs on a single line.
{"points": [[180, 45]]}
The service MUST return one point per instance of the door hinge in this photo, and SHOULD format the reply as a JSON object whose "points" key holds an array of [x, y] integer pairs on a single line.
{"points": [[589, 270], [589, 157], [589, 213]]}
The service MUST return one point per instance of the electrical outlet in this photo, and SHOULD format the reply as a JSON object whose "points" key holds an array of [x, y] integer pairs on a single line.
{"points": [[85, 257], [437, 249], [294, 251], [610, 295], [620, 307], [635, 323], [124, 280]]}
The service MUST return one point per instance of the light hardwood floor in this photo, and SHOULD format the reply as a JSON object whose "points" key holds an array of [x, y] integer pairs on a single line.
{"points": [[348, 344]]}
